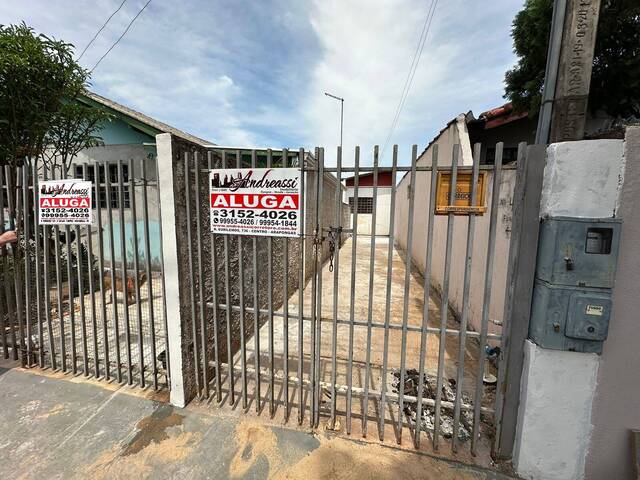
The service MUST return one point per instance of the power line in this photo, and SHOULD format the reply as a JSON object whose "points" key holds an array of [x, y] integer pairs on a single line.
{"points": [[101, 28], [120, 37], [412, 71]]}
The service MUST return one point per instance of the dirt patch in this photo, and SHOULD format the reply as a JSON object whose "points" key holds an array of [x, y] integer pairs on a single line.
{"points": [[55, 410], [153, 429], [343, 459], [254, 441], [112, 465], [160, 440]]}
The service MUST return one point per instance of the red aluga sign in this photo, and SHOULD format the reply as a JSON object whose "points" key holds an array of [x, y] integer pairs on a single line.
{"points": [[255, 200], [60, 202], [65, 202]]}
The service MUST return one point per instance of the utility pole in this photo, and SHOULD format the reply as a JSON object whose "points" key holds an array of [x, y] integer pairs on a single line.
{"points": [[341, 113], [568, 72]]}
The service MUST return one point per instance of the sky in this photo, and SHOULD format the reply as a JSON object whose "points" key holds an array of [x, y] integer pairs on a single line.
{"points": [[254, 73]]}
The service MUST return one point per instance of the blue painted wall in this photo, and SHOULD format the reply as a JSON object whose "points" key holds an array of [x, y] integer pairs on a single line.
{"points": [[118, 132]]}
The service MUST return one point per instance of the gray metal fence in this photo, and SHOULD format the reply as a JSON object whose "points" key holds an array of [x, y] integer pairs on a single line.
{"points": [[358, 333], [87, 299]]}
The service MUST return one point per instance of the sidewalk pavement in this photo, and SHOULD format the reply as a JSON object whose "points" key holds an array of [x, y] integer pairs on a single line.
{"points": [[60, 427]]}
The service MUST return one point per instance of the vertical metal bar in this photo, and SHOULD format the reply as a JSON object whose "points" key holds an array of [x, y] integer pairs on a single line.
{"points": [[83, 318], [3, 250], [164, 296], [114, 296], [147, 250], [47, 290], [125, 286], [318, 356], [256, 312], [72, 297], [192, 290], [444, 309], [14, 222], [372, 263], [94, 321], [426, 296], [101, 272], [243, 349], [486, 301], [462, 337], [387, 312], [136, 268], [336, 266], [201, 299], [214, 296], [8, 287], [314, 280], [354, 249], [285, 311], [27, 259], [227, 298], [407, 288], [38, 270], [301, 282], [270, 309], [56, 239]]}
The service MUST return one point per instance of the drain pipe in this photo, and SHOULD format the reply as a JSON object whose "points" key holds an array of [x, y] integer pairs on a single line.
{"points": [[551, 71]]}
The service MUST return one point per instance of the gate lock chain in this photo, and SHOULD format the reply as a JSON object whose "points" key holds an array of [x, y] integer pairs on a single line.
{"points": [[334, 238]]}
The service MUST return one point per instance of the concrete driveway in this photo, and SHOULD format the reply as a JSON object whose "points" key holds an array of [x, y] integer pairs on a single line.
{"points": [[55, 426]]}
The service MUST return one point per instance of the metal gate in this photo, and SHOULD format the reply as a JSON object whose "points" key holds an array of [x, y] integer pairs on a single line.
{"points": [[86, 299], [347, 326]]}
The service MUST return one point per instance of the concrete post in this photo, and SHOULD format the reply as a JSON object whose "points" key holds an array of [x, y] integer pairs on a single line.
{"points": [[581, 179], [170, 256], [574, 70]]}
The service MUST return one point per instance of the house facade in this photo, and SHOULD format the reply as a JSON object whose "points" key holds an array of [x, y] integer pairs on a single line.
{"points": [[363, 205], [129, 138]]}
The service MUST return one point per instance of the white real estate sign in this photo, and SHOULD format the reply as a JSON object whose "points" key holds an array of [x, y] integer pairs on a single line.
{"points": [[65, 202], [256, 201]]}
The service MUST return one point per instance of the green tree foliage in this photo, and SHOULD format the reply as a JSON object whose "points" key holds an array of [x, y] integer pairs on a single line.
{"points": [[39, 83], [615, 81]]}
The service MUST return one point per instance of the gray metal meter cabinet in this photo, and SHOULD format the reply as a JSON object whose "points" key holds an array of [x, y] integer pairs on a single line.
{"points": [[575, 273], [581, 252]]}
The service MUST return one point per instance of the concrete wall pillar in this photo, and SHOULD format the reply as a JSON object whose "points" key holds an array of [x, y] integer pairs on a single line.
{"points": [[581, 179], [170, 256]]}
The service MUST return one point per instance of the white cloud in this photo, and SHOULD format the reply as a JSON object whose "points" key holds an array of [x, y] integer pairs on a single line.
{"points": [[367, 52]]}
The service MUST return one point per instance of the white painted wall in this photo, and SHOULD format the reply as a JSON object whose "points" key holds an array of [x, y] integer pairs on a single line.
{"points": [[555, 411], [454, 134], [383, 208], [616, 406], [582, 179]]}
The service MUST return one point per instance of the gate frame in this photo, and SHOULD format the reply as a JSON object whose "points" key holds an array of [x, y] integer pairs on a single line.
{"points": [[523, 251]]}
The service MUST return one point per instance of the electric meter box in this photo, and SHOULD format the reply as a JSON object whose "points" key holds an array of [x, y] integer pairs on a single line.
{"points": [[569, 318], [575, 273], [581, 252]]}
